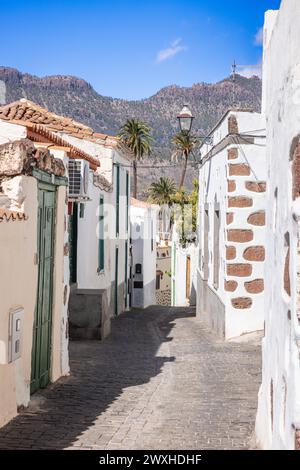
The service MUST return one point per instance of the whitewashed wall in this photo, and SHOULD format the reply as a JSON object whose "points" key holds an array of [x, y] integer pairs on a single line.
{"points": [[163, 266], [219, 186], [144, 253], [11, 132], [179, 271], [61, 281], [98, 150], [87, 275], [18, 288], [124, 227], [278, 419]]}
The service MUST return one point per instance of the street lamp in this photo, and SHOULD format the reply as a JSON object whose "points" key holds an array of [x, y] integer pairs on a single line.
{"points": [[185, 119]]}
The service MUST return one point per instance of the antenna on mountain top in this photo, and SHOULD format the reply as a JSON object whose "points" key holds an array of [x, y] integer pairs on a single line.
{"points": [[234, 68]]}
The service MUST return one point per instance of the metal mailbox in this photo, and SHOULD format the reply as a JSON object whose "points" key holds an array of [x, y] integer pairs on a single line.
{"points": [[15, 334]]}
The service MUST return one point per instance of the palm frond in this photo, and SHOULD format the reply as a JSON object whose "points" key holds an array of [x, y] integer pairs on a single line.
{"points": [[136, 135]]}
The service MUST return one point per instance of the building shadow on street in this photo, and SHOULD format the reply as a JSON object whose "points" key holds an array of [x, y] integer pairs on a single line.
{"points": [[59, 415]]}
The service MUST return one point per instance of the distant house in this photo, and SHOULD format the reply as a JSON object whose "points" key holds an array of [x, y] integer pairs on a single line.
{"points": [[98, 220], [184, 265], [232, 203], [34, 250], [163, 272], [143, 251]]}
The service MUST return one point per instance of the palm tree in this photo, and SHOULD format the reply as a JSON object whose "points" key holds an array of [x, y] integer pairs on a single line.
{"points": [[162, 191], [136, 135], [184, 144]]}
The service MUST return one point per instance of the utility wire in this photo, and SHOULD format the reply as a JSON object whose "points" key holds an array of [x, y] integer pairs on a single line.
{"points": [[252, 143], [246, 159], [153, 166], [253, 130]]}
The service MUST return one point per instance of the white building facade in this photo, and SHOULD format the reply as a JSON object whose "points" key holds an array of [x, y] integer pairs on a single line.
{"points": [[102, 280], [98, 221], [231, 220], [163, 272], [143, 219], [278, 418], [184, 265], [34, 273]]}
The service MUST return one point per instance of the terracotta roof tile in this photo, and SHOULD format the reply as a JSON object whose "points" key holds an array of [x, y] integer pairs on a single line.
{"points": [[36, 130], [28, 111], [25, 110], [137, 203], [7, 215]]}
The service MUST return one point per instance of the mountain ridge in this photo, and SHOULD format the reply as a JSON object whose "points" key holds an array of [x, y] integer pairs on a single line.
{"points": [[74, 97]]}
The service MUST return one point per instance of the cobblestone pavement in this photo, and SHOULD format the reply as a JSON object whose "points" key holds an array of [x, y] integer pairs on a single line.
{"points": [[160, 381]]}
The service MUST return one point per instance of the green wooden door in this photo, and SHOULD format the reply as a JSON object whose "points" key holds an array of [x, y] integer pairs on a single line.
{"points": [[73, 235], [117, 200], [41, 347], [126, 272], [116, 280]]}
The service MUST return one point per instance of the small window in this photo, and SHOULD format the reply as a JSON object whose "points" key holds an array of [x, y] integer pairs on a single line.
{"points": [[138, 268], [81, 211], [157, 281], [138, 284]]}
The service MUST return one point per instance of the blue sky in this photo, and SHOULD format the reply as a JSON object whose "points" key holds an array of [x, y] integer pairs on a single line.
{"points": [[130, 49]]}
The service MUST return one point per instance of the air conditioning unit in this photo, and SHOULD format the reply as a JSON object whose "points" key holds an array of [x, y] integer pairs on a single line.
{"points": [[78, 179]]}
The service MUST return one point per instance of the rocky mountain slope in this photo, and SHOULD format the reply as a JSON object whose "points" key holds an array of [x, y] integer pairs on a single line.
{"points": [[74, 97]]}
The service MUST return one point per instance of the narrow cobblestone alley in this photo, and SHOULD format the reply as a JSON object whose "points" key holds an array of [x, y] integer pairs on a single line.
{"points": [[160, 381]]}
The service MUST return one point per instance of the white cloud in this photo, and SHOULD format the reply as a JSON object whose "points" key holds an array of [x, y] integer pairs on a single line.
{"points": [[249, 71], [259, 37], [175, 48]]}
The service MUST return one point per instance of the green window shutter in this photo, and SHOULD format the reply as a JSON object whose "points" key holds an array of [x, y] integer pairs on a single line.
{"points": [[81, 211], [127, 199], [117, 200], [126, 272], [101, 236], [152, 235]]}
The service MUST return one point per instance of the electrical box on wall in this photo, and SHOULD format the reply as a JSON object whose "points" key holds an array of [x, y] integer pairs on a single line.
{"points": [[15, 334], [138, 268]]}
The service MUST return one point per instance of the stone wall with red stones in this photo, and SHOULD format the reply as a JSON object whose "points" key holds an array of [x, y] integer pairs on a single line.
{"points": [[233, 183], [245, 224]]}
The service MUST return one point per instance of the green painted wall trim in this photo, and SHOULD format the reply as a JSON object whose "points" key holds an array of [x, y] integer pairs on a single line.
{"points": [[117, 200], [49, 178], [127, 200], [101, 236]]}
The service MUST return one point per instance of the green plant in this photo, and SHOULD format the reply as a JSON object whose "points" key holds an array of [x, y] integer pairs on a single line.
{"points": [[184, 144], [186, 214], [136, 135], [162, 191]]}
